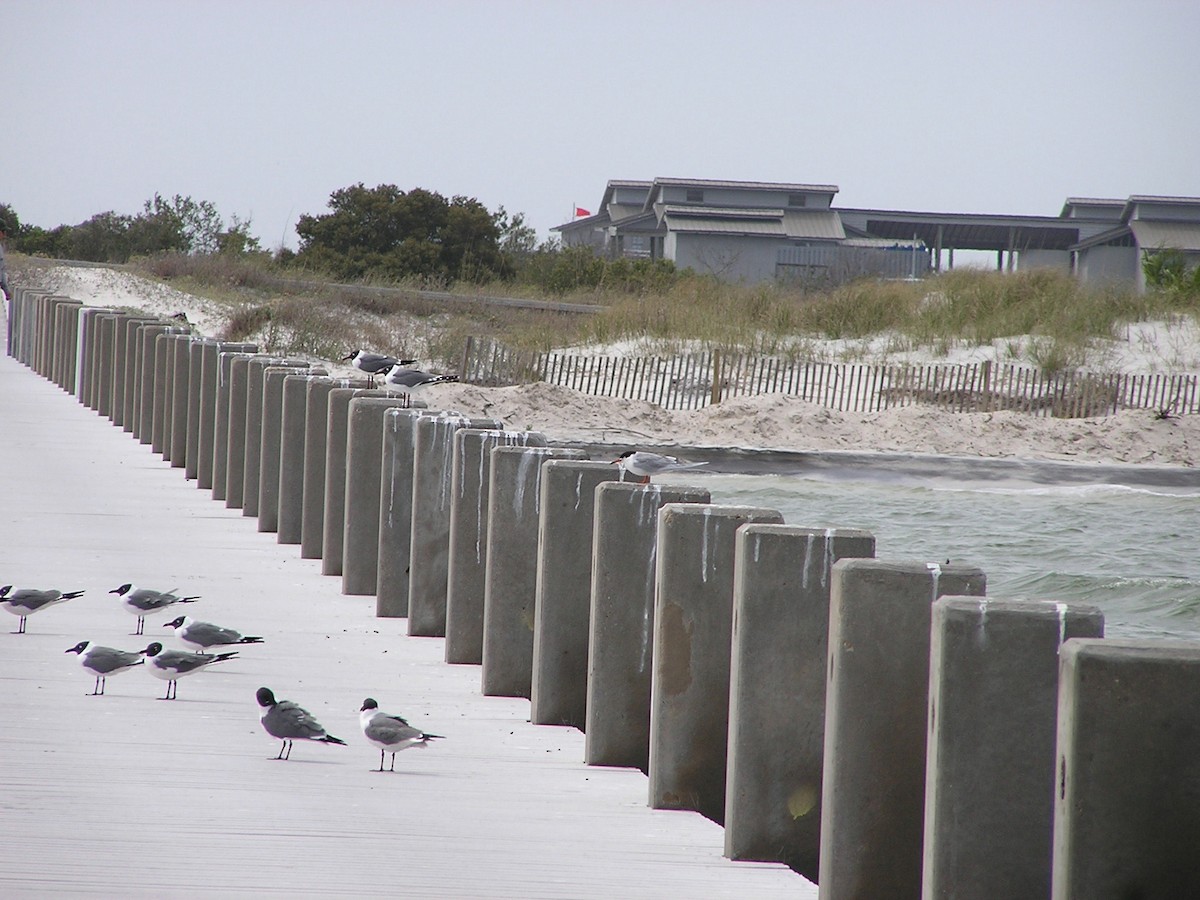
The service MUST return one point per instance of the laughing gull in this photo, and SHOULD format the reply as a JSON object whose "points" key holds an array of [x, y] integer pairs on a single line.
{"points": [[407, 381], [288, 722], [24, 602], [105, 661], [390, 734], [374, 363], [144, 602], [170, 665], [644, 464], [202, 635]]}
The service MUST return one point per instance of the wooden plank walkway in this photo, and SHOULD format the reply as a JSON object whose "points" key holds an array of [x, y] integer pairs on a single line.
{"points": [[127, 795]]}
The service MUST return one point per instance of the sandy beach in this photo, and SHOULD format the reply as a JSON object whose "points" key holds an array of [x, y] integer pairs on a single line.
{"points": [[770, 421]]}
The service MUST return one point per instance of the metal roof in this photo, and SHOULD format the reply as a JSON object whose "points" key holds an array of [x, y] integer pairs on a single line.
{"points": [[1151, 234], [730, 212], [755, 185], [968, 231], [682, 224], [818, 224]]}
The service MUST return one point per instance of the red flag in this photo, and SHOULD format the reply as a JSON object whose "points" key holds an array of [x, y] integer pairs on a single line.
{"points": [[580, 211]]}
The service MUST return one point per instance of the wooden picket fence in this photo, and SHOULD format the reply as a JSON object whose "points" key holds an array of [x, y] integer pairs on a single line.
{"points": [[696, 380]]}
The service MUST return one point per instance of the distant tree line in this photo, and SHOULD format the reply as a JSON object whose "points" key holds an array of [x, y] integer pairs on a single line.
{"points": [[381, 234]]}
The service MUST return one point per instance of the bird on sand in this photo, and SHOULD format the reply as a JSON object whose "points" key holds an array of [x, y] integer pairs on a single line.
{"points": [[105, 661], [171, 665], [285, 720], [373, 364], [644, 464], [144, 602], [200, 636], [408, 381], [389, 733], [24, 602]]}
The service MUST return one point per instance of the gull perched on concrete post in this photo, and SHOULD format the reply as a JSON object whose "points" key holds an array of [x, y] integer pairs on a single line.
{"points": [[372, 364]]}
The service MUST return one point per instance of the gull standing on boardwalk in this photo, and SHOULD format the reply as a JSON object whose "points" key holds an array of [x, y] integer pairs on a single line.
{"points": [[105, 661], [144, 602], [288, 722], [374, 363], [389, 733], [407, 381], [644, 464], [24, 602], [170, 665], [200, 636]]}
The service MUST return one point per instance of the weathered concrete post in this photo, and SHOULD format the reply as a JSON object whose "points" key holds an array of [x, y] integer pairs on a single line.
{"points": [[132, 377], [364, 475], [124, 369], [291, 455], [621, 626], [777, 690], [89, 330], [876, 712], [222, 416], [395, 512], [145, 422], [468, 536], [164, 369], [255, 386], [271, 450], [180, 386], [429, 554], [337, 425], [989, 773], [104, 371], [693, 633], [510, 576], [235, 459], [212, 434], [316, 433], [191, 453], [562, 597], [1125, 821]]}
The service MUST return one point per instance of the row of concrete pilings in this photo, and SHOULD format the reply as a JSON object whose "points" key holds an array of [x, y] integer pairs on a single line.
{"points": [[879, 726]]}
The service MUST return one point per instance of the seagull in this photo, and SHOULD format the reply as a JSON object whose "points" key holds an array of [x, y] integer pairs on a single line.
{"points": [[407, 381], [643, 464], [389, 733], [288, 722], [105, 661], [200, 636], [144, 602], [170, 665], [24, 602], [374, 363]]}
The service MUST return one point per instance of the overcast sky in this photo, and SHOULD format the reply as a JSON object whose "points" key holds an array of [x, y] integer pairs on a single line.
{"points": [[265, 108]]}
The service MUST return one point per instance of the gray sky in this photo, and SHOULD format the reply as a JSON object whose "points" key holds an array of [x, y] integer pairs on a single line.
{"points": [[265, 108]]}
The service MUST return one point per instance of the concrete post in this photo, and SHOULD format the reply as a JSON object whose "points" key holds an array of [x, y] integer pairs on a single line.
{"points": [[145, 423], [364, 475], [316, 431], [191, 453], [471, 465], [132, 380], [291, 455], [876, 711], [213, 431], [271, 448], [235, 463], [395, 512], [989, 773], [693, 633], [223, 414], [164, 369], [87, 354], [252, 467], [107, 347], [180, 385], [429, 555], [510, 575], [562, 597], [777, 690], [337, 423], [1125, 821], [621, 625]]}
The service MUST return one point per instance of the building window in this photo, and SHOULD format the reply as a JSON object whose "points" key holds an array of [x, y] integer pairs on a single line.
{"points": [[797, 199], [695, 195]]}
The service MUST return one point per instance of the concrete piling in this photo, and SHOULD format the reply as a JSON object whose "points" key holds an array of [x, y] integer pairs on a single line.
{"points": [[562, 597], [210, 431], [143, 429], [395, 511], [364, 474], [873, 790], [222, 415], [337, 424], [1127, 785], [175, 446], [693, 632], [621, 623], [471, 463], [777, 690], [989, 773], [255, 419], [510, 575], [291, 455], [271, 445], [316, 432], [235, 455]]}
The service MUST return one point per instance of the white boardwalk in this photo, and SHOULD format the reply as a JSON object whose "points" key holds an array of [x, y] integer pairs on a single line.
{"points": [[127, 795]]}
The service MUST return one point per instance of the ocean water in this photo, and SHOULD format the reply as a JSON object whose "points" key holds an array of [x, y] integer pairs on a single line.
{"points": [[1134, 552]]}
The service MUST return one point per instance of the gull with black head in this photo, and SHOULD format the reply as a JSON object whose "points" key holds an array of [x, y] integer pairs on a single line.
{"points": [[144, 602], [24, 602], [171, 665], [389, 733], [105, 661], [285, 720]]}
